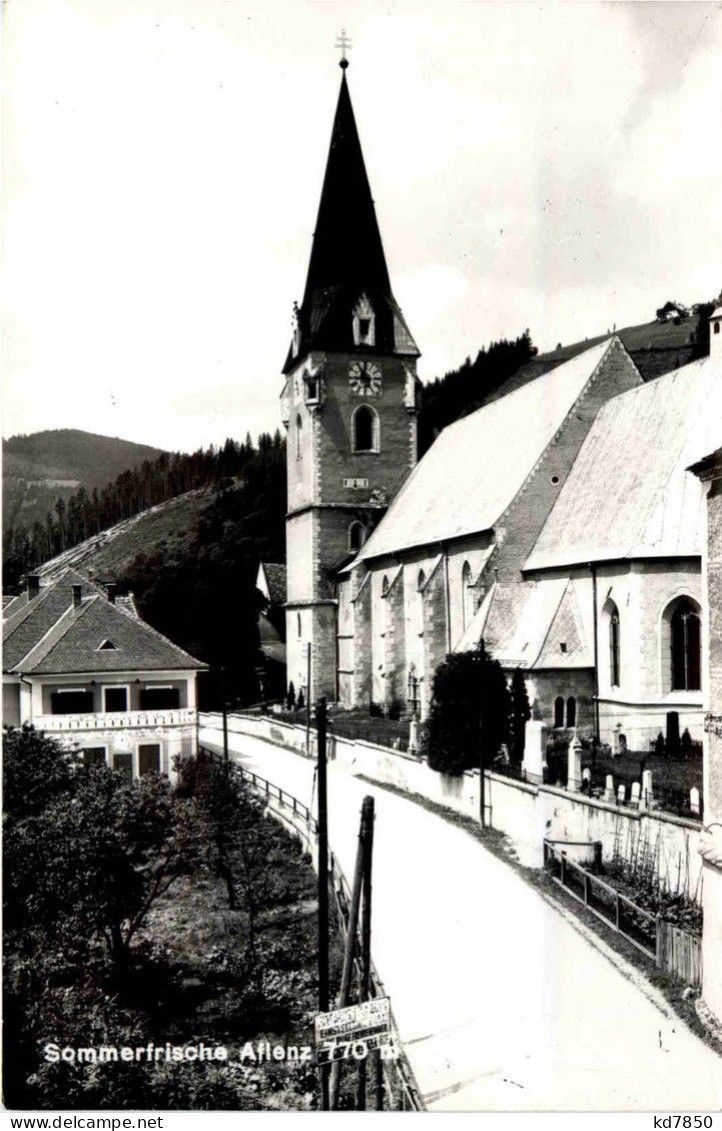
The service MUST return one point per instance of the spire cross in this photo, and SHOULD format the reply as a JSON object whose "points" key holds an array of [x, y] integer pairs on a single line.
{"points": [[343, 43]]}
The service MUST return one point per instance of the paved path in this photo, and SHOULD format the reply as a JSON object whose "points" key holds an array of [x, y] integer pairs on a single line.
{"points": [[501, 1003]]}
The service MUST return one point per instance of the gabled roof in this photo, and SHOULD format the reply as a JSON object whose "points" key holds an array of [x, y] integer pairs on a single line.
{"points": [[272, 582], [476, 467], [27, 620], [51, 635], [532, 625], [629, 494], [347, 256]]}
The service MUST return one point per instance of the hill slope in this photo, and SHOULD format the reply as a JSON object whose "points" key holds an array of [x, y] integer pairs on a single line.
{"points": [[44, 466], [169, 527]]}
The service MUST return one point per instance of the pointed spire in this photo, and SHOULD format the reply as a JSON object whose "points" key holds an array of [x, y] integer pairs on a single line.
{"points": [[347, 257], [347, 243]]}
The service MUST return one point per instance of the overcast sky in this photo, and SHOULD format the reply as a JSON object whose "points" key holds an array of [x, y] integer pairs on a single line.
{"points": [[554, 166]]}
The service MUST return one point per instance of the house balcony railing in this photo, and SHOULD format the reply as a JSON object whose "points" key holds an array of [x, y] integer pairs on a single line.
{"points": [[117, 720]]}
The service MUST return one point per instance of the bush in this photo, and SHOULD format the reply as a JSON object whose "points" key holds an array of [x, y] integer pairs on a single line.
{"points": [[469, 716]]}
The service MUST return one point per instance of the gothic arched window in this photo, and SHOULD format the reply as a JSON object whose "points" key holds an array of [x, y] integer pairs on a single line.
{"points": [[571, 711], [298, 625], [467, 596], [685, 644], [365, 431], [299, 435], [614, 644], [420, 582], [355, 536], [558, 711]]}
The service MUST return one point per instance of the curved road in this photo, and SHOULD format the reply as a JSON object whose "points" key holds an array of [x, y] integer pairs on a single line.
{"points": [[501, 1002]]}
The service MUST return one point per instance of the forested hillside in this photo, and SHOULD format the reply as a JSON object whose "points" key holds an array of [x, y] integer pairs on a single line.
{"points": [[44, 466], [190, 561]]}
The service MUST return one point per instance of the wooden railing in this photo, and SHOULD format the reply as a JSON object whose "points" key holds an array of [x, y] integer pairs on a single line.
{"points": [[402, 1093], [117, 720], [673, 950]]}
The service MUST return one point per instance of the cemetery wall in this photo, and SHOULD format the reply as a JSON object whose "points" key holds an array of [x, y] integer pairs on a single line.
{"points": [[525, 813]]}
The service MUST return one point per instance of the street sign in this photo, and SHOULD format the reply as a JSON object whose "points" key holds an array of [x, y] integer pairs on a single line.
{"points": [[353, 1032]]}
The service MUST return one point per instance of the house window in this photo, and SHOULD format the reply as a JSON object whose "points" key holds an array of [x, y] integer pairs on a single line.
{"points": [[685, 645], [571, 711], [148, 758], [298, 625], [716, 327], [94, 756], [115, 699], [123, 763], [614, 663], [72, 701], [559, 711], [355, 536], [365, 431], [299, 435], [159, 698]]}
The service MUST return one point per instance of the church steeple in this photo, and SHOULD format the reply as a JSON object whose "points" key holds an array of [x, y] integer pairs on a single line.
{"points": [[347, 270]]}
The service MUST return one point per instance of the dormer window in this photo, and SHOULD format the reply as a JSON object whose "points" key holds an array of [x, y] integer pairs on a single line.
{"points": [[107, 646], [364, 319]]}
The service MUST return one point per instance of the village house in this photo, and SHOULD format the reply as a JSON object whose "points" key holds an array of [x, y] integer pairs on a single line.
{"points": [[558, 522], [81, 665]]}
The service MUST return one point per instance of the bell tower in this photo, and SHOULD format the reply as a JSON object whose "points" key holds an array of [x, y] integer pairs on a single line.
{"points": [[350, 404]]}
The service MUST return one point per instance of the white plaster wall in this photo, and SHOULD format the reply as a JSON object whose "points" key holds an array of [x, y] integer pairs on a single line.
{"points": [[527, 814]]}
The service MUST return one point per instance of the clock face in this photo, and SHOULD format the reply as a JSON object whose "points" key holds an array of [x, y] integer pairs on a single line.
{"points": [[365, 378]]}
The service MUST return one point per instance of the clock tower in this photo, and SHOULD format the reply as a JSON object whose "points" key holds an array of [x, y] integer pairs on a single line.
{"points": [[349, 404]]}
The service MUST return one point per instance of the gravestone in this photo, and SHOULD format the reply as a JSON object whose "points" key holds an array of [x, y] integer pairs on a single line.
{"points": [[413, 736], [609, 788], [621, 793], [535, 750], [694, 800], [574, 764], [636, 791], [647, 795]]}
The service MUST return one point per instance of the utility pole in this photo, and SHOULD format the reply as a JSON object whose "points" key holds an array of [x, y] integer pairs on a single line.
{"points": [[367, 849], [225, 718], [323, 996], [363, 857], [482, 779], [308, 699]]}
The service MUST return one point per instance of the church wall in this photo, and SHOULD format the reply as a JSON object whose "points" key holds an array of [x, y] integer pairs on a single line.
{"points": [[345, 641], [544, 686], [362, 675], [638, 708], [518, 529], [396, 681], [436, 643], [462, 606], [663, 581]]}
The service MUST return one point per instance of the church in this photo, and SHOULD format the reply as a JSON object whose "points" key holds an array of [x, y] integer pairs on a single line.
{"points": [[559, 523]]}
